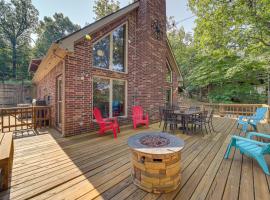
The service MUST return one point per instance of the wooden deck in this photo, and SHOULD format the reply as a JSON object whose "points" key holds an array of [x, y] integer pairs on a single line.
{"points": [[92, 167]]}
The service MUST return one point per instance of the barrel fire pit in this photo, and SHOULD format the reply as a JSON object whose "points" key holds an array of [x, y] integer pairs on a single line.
{"points": [[156, 161]]}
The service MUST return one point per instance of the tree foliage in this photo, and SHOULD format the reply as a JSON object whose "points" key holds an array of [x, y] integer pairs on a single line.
{"points": [[230, 48], [51, 29], [233, 24], [18, 18], [105, 7]]}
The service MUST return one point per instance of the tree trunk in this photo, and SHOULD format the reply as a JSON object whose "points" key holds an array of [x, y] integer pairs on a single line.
{"points": [[14, 59]]}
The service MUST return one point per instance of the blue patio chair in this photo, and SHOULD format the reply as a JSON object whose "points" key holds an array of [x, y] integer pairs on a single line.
{"points": [[251, 148], [252, 120]]}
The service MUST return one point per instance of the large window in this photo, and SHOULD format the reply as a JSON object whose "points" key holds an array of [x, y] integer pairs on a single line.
{"points": [[169, 96], [101, 53], [110, 51], [118, 101], [101, 95], [169, 73], [109, 95]]}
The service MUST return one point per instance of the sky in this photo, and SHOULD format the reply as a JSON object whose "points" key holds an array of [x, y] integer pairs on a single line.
{"points": [[81, 11]]}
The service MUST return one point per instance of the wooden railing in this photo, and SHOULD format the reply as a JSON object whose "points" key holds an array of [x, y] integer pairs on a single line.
{"points": [[235, 110], [24, 118]]}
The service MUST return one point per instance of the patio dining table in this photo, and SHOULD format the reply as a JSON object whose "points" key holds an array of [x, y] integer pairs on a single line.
{"points": [[185, 117]]}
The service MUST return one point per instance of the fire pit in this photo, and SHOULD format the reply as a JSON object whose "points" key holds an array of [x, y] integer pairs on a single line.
{"points": [[155, 158]]}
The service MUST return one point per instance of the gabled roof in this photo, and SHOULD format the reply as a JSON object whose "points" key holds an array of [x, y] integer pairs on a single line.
{"points": [[67, 42], [63, 46]]}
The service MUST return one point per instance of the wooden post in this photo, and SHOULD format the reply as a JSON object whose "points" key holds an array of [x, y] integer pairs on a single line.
{"points": [[34, 117], [2, 120], [267, 113], [50, 116], [221, 110]]}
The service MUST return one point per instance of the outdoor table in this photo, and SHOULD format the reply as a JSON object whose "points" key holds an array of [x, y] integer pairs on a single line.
{"points": [[185, 115]]}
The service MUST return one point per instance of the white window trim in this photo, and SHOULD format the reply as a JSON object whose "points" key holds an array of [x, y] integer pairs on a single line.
{"points": [[59, 115], [111, 95], [170, 68], [111, 50]]}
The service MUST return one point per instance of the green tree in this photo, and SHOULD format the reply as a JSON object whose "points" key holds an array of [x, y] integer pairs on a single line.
{"points": [[183, 48], [5, 60], [105, 7], [52, 29], [230, 47], [230, 24], [18, 19]]}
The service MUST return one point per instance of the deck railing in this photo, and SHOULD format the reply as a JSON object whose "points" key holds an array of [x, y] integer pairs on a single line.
{"points": [[24, 118], [235, 110]]}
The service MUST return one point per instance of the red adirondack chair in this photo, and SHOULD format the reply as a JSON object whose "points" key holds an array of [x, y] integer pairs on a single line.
{"points": [[138, 117], [106, 124]]}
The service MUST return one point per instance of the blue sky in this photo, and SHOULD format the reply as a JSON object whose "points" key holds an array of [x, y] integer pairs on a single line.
{"points": [[81, 11]]}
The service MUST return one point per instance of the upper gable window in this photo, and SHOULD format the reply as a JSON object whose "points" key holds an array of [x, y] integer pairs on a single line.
{"points": [[110, 51], [101, 53], [169, 73]]}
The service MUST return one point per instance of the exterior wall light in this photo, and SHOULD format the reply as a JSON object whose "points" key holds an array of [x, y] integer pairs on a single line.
{"points": [[88, 37]]}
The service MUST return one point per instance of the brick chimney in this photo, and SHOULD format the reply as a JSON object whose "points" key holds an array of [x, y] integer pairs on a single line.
{"points": [[151, 53]]}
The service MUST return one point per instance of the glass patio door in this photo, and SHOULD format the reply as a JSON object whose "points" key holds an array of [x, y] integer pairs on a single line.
{"points": [[59, 102]]}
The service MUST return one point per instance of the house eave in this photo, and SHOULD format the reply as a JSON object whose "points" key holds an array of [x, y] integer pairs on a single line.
{"points": [[174, 59], [54, 55]]}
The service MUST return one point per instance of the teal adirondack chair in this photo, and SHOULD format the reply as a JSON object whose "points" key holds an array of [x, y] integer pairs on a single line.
{"points": [[251, 148], [252, 120]]}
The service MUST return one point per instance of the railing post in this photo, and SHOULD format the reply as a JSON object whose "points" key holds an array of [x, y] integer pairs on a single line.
{"points": [[34, 117], [221, 110], [267, 113], [50, 117], [2, 120]]}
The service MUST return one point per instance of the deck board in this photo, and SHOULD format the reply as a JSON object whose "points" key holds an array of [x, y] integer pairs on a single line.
{"points": [[88, 166]]}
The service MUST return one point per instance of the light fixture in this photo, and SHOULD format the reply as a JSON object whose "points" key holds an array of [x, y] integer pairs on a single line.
{"points": [[88, 37], [100, 53], [157, 29]]}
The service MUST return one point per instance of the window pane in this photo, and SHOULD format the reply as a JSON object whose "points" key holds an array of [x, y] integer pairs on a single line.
{"points": [[119, 49], [169, 74], [59, 113], [118, 103], [101, 88], [59, 90], [101, 53], [168, 96]]}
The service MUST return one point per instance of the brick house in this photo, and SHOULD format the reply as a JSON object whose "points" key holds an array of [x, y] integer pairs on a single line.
{"points": [[127, 61]]}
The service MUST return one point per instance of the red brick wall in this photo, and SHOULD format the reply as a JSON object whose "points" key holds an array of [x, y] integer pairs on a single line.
{"points": [[47, 87], [146, 77], [151, 54]]}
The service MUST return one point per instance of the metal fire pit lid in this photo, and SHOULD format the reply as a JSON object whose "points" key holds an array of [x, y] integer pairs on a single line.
{"points": [[175, 144]]}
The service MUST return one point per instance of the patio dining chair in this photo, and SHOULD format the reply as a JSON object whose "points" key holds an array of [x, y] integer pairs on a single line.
{"points": [[161, 115], [252, 148], [172, 106], [170, 118], [194, 108], [253, 120], [209, 120], [201, 120]]}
